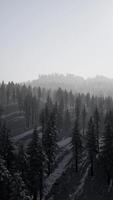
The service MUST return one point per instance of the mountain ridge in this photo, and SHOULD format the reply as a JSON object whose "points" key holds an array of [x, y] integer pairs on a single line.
{"points": [[98, 85]]}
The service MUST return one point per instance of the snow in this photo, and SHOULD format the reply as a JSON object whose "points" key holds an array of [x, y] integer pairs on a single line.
{"points": [[62, 166], [51, 180], [61, 144], [22, 135], [80, 188], [110, 186], [82, 183], [16, 119], [101, 143], [64, 142], [12, 114], [65, 146]]}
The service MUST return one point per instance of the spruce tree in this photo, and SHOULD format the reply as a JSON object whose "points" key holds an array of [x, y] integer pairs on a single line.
{"points": [[76, 140], [6, 148], [22, 162], [84, 119], [11, 184], [4, 180], [35, 171], [107, 147], [91, 144], [18, 189], [97, 126], [67, 123], [49, 141]]}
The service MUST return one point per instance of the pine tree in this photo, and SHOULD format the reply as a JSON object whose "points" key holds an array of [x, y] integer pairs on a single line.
{"points": [[67, 123], [76, 140], [49, 141], [44, 117], [107, 148], [18, 189], [35, 171], [59, 121], [91, 144], [84, 119], [22, 162], [3, 93], [11, 184], [76, 143], [4, 180], [28, 110], [96, 126], [6, 148]]}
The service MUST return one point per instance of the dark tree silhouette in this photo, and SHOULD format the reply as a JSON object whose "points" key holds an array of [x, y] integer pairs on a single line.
{"points": [[91, 144], [35, 171]]}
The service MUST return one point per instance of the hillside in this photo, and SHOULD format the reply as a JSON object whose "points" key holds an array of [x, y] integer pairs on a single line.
{"points": [[14, 119], [58, 143], [98, 85]]}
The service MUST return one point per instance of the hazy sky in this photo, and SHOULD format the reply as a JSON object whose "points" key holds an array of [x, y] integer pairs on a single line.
{"points": [[48, 36]]}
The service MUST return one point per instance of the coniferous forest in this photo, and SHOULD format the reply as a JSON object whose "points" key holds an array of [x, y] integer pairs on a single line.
{"points": [[55, 144]]}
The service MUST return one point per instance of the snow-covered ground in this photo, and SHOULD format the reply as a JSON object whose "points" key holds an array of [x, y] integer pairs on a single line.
{"points": [[25, 134], [12, 114], [66, 155], [16, 119], [82, 182], [64, 142], [51, 180], [101, 143]]}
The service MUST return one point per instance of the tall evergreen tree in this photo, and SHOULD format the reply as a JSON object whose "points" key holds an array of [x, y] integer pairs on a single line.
{"points": [[76, 140], [35, 172], [4, 180], [6, 148], [22, 162], [107, 147], [18, 189], [49, 141], [11, 184], [84, 119], [96, 126], [91, 144], [67, 123]]}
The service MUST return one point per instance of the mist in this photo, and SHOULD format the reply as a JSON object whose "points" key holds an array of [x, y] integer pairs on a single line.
{"points": [[44, 37]]}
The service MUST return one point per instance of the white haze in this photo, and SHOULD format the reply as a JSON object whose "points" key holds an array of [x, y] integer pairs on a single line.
{"points": [[48, 36]]}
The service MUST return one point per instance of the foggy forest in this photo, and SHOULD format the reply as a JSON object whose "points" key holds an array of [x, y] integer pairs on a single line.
{"points": [[56, 142], [56, 99]]}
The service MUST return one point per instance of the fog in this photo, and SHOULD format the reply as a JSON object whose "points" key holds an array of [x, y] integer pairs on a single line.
{"points": [[43, 37]]}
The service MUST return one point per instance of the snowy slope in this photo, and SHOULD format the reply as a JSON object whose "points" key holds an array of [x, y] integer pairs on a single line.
{"points": [[61, 167]]}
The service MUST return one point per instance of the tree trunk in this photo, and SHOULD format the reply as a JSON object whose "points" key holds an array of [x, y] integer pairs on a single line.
{"points": [[49, 168], [35, 195], [76, 160], [108, 178], [83, 130], [91, 166], [41, 185]]}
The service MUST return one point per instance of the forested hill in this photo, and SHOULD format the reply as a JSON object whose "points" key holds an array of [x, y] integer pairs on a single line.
{"points": [[98, 85], [55, 144]]}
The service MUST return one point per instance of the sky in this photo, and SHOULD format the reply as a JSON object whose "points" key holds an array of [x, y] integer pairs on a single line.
{"points": [[55, 36]]}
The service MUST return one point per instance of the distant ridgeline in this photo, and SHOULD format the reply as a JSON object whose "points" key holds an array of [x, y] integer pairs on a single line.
{"points": [[99, 85]]}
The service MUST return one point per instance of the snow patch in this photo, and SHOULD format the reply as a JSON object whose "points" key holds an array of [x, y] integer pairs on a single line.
{"points": [[64, 142], [51, 180]]}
